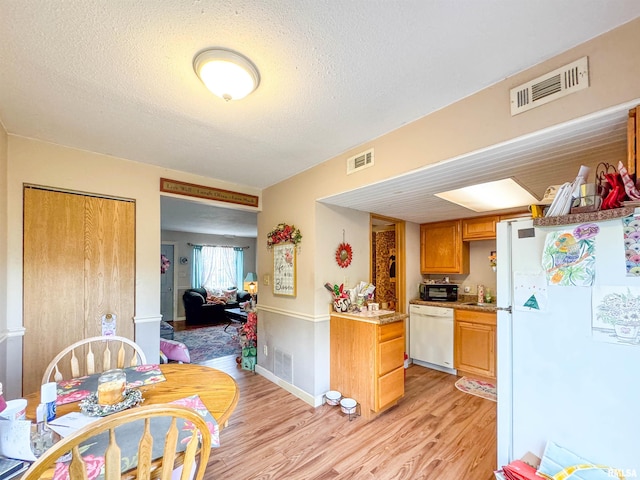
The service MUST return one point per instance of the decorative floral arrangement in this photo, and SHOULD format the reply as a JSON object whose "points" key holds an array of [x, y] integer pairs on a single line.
{"points": [[283, 233], [164, 263], [341, 300], [248, 333], [493, 260]]}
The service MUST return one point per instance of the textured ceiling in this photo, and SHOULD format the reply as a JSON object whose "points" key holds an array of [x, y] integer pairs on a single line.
{"points": [[117, 78]]}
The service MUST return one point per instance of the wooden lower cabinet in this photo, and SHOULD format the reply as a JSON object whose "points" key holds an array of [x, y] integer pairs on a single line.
{"points": [[475, 343], [390, 388], [367, 362]]}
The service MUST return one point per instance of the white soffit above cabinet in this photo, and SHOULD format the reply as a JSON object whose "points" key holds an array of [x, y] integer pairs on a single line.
{"points": [[548, 157]]}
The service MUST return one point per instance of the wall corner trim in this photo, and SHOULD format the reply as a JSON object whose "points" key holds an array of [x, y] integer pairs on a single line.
{"points": [[12, 332], [150, 319], [291, 313]]}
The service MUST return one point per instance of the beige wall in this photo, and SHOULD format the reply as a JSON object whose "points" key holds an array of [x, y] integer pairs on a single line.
{"points": [[35, 162], [6, 377], [483, 119], [302, 331], [476, 122], [3, 229]]}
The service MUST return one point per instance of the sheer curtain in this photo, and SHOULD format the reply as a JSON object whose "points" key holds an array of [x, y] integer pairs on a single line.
{"points": [[218, 267]]}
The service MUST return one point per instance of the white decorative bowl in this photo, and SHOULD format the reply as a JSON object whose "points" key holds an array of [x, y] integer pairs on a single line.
{"points": [[348, 405], [333, 397]]}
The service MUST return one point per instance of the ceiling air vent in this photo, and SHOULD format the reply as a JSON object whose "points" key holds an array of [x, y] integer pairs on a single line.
{"points": [[360, 161], [549, 87]]}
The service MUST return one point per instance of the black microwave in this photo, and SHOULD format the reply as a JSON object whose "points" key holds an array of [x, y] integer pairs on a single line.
{"points": [[439, 292]]}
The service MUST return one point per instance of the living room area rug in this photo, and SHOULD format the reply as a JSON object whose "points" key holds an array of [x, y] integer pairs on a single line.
{"points": [[478, 388], [207, 343]]}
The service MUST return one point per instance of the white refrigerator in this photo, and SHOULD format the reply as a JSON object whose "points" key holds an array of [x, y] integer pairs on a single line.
{"points": [[557, 379]]}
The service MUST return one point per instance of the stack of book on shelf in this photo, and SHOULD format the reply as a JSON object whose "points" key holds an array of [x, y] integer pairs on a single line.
{"points": [[517, 470], [524, 469], [559, 463], [10, 468]]}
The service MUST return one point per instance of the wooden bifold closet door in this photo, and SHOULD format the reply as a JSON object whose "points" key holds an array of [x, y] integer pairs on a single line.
{"points": [[79, 264]]}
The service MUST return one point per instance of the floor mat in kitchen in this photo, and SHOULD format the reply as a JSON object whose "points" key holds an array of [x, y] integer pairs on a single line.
{"points": [[479, 388]]}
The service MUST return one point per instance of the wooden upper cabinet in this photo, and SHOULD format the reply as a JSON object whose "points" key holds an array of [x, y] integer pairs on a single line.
{"points": [[480, 228], [484, 228], [442, 249]]}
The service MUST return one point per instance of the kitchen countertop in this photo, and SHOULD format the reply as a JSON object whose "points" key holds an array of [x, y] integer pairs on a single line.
{"points": [[459, 305], [379, 317]]}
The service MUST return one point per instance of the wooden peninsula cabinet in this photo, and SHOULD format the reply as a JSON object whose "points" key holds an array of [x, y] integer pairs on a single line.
{"points": [[474, 348], [367, 359], [442, 249]]}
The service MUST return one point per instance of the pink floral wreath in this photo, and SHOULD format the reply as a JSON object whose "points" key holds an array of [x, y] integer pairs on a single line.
{"points": [[283, 233], [164, 263]]}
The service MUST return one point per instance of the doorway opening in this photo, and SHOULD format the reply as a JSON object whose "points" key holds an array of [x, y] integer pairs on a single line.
{"points": [[167, 283], [388, 259]]}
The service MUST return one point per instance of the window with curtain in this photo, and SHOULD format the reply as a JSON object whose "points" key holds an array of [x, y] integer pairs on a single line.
{"points": [[217, 267]]}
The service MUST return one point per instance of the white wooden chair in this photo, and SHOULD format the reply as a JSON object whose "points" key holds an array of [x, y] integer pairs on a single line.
{"points": [[147, 467], [112, 351]]}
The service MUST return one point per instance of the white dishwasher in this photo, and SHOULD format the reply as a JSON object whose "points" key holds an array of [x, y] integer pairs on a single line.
{"points": [[431, 337]]}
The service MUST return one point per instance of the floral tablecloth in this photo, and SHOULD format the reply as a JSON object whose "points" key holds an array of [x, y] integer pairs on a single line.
{"points": [[128, 438], [76, 389]]}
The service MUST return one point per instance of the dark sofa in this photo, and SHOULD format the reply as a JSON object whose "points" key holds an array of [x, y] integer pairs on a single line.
{"points": [[199, 312]]}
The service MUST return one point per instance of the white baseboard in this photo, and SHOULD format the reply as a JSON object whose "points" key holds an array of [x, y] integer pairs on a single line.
{"points": [[301, 394]]}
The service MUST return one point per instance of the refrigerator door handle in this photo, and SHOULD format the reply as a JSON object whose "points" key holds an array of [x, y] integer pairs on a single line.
{"points": [[504, 309]]}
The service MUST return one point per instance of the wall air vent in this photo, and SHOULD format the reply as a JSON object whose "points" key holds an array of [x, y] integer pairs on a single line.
{"points": [[360, 161], [550, 87], [283, 365]]}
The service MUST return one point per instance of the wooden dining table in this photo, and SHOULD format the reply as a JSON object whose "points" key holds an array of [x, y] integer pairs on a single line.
{"points": [[218, 391]]}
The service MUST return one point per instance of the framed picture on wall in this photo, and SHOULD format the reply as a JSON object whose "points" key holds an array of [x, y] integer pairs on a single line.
{"points": [[284, 269]]}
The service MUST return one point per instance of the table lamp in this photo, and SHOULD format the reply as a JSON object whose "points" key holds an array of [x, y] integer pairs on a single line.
{"points": [[251, 285]]}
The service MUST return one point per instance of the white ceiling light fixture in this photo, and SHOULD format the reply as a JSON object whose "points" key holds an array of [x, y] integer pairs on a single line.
{"points": [[227, 74], [484, 197]]}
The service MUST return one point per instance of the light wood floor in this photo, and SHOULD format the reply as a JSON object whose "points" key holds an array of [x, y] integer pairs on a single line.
{"points": [[436, 432]]}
